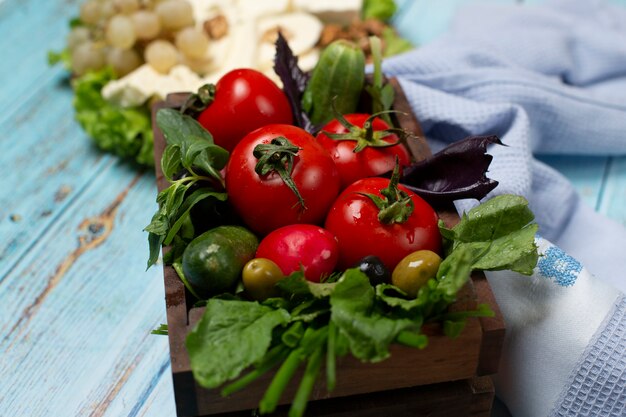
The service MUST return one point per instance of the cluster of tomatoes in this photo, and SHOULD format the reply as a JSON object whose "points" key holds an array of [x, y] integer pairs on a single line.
{"points": [[318, 203]]}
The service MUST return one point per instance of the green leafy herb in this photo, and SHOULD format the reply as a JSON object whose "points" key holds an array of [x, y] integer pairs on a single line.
{"points": [[190, 149], [230, 336], [378, 9], [368, 332], [126, 132], [394, 43], [161, 330], [496, 235]]}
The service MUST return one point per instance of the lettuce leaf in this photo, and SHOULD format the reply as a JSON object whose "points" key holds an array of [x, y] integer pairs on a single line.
{"points": [[126, 132]]}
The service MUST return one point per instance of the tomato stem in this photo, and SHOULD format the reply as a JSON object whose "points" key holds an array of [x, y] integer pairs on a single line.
{"points": [[278, 156], [366, 136], [396, 206], [198, 102]]}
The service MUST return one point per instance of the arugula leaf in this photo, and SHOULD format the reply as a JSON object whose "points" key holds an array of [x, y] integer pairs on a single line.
{"points": [[368, 332], [230, 336], [126, 132]]}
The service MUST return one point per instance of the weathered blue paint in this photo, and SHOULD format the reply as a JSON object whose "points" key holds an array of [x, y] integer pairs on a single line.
{"points": [[77, 305]]}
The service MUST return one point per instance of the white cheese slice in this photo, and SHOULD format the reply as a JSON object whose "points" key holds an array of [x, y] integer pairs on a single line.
{"points": [[133, 89], [302, 31]]}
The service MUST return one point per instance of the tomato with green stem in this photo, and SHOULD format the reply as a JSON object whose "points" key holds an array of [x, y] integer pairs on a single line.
{"points": [[243, 100], [363, 145], [279, 175], [377, 216]]}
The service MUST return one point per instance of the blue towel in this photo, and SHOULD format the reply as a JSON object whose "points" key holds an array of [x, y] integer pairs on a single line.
{"points": [[547, 79]]}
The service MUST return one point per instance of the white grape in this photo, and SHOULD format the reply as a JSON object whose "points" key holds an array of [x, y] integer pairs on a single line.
{"points": [[90, 12], [107, 9], [192, 42], [126, 6], [123, 61], [161, 55], [77, 36], [120, 32], [87, 57], [147, 24], [175, 14]]}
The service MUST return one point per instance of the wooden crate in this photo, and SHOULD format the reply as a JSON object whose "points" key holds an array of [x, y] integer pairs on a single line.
{"points": [[450, 377]]}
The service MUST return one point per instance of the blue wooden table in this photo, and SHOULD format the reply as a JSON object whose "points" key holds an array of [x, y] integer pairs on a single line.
{"points": [[77, 305]]}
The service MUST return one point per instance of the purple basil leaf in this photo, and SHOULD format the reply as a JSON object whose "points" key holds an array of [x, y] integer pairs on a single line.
{"points": [[456, 172], [294, 82]]}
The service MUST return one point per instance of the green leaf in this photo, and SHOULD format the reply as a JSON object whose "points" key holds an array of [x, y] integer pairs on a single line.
{"points": [[230, 336], [394, 43], [177, 127], [494, 218], [516, 251], [496, 235], [161, 330], [154, 242], [367, 332], [126, 132], [378, 9], [455, 271], [184, 209], [171, 161]]}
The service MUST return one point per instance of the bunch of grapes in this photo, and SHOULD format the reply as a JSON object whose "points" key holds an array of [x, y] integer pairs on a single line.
{"points": [[124, 34]]}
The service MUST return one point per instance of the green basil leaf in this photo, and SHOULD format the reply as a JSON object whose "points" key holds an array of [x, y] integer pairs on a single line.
{"points": [[171, 161], [184, 209], [177, 127]]}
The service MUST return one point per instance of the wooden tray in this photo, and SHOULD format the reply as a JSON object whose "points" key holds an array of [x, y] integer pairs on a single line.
{"points": [[450, 377]]}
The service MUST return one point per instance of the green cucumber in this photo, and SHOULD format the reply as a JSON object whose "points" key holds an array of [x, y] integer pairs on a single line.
{"points": [[212, 262], [340, 73]]}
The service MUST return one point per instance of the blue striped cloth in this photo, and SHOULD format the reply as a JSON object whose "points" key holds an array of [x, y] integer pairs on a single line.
{"points": [[547, 79]]}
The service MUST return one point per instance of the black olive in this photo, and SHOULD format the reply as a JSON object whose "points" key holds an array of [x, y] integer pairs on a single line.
{"points": [[375, 270]]}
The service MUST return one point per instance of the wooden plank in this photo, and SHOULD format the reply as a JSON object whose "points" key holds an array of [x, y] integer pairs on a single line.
{"points": [[31, 28], [45, 173], [612, 201], [78, 309]]}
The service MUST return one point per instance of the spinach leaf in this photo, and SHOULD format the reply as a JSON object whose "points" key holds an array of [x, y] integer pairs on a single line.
{"points": [[230, 336], [368, 332]]}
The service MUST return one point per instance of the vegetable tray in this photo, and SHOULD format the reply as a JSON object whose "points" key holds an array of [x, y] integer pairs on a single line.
{"points": [[450, 377]]}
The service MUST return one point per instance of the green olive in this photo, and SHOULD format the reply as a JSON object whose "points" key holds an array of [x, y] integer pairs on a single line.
{"points": [[259, 277], [414, 271]]}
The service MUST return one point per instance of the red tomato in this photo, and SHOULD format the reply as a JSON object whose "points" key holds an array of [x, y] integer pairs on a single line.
{"points": [[301, 246], [371, 161], [265, 201], [244, 100], [353, 219]]}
